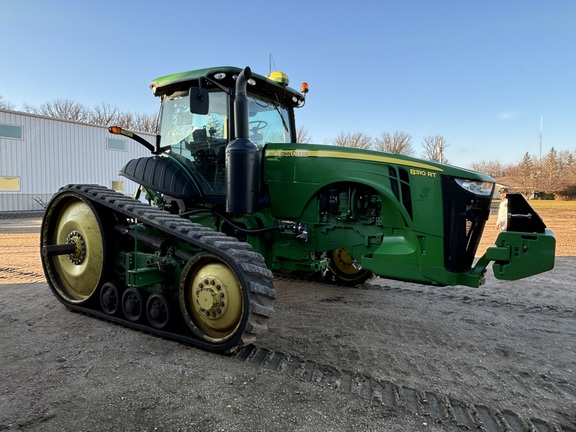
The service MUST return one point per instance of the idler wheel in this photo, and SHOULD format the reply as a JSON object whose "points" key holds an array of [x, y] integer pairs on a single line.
{"points": [[211, 298], [73, 248], [158, 311]]}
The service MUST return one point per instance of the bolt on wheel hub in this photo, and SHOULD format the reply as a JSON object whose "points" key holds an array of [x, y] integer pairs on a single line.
{"points": [[210, 298], [78, 256]]}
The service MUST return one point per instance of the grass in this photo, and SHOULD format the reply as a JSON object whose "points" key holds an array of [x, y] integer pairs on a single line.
{"points": [[549, 205], [553, 205]]}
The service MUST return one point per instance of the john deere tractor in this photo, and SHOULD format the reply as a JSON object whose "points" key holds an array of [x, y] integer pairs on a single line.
{"points": [[228, 197]]}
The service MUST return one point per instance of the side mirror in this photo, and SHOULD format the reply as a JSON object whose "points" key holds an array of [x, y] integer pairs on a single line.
{"points": [[199, 100]]}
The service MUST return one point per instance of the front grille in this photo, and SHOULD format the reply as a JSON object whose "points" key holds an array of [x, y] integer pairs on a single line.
{"points": [[400, 186], [465, 216]]}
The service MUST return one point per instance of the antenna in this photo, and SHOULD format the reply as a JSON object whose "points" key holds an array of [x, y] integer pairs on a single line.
{"points": [[270, 63]]}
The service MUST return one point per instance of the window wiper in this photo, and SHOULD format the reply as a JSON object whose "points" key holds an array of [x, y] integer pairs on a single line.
{"points": [[282, 118]]}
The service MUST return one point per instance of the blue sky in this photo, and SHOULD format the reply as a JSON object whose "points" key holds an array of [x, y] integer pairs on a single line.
{"points": [[482, 74]]}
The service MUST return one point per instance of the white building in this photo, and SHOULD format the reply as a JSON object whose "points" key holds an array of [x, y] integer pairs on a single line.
{"points": [[38, 155]]}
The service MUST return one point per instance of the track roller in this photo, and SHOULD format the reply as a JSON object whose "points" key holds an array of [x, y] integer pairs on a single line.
{"points": [[158, 311], [133, 304], [110, 298]]}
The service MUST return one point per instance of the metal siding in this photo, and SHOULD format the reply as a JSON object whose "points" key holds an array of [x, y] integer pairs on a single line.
{"points": [[54, 153]]}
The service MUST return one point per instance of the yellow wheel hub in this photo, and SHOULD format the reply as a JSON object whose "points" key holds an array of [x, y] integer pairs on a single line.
{"points": [[80, 271], [343, 262], [215, 299]]}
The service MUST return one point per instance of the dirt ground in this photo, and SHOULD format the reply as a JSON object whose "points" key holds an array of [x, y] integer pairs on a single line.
{"points": [[507, 348]]}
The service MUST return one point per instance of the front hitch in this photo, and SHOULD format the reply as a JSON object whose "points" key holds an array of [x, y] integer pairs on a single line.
{"points": [[526, 248], [517, 255]]}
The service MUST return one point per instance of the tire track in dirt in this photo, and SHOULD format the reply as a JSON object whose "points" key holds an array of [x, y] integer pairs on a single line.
{"points": [[540, 384], [479, 350], [439, 408], [15, 273], [433, 293]]}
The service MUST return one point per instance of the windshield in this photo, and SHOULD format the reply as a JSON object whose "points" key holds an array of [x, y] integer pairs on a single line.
{"points": [[268, 122], [183, 132], [199, 141]]}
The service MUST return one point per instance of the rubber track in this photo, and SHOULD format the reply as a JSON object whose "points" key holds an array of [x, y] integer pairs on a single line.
{"points": [[249, 265], [438, 408]]}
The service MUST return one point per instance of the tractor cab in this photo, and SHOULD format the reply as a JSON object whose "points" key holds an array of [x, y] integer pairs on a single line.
{"points": [[198, 139], [197, 120]]}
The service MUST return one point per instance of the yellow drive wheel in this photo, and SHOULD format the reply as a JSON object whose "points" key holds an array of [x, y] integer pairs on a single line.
{"points": [[345, 269], [211, 298], [72, 222]]}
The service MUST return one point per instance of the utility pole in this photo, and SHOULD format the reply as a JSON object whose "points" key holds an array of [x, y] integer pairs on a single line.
{"points": [[541, 121]]}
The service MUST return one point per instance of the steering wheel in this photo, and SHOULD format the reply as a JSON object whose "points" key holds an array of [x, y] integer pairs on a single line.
{"points": [[258, 125]]}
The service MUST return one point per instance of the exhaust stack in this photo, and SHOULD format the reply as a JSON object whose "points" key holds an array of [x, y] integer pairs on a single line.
{"points": [[242, 156]]}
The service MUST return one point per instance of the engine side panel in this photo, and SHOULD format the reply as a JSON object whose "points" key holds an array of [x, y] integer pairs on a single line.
{"points": [[407, 239]]}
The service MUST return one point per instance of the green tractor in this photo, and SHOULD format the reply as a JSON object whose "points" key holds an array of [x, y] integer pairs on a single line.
{"points": [[228, 197]]}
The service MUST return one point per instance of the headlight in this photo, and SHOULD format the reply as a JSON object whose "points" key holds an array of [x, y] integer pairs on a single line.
{"points": [[251, 81], [482, 188]]}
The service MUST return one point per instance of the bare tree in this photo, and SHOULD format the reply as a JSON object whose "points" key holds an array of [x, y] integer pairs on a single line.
{"points": [[553, 174], [435, 148], [30, 109], [480, 166], [65, 110], [302, 135], [495, 168], [103, 114], [145, 123], [397, 142], [492, 168], [5, 105], [354, 140], [125, 120], [567, 181], [565, 162]]}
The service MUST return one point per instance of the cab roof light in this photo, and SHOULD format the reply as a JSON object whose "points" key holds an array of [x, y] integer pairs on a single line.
{"points": [[251, 81]]}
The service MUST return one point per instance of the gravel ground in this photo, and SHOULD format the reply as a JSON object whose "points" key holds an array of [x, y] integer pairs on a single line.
{"points": [[506, 349]]}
